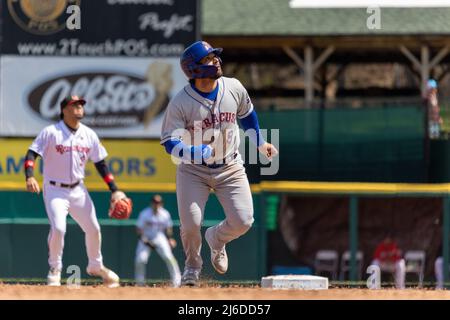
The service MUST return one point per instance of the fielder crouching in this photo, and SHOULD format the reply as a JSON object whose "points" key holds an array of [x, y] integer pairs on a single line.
{"points": [[154, 230]]}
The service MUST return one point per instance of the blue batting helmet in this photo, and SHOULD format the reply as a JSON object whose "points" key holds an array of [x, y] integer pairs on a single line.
{"points": [[190, 60]]}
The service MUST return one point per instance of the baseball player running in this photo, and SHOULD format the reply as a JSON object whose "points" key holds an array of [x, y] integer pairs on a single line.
{"points": [[200, 128], [154, 229], [65, 148]]}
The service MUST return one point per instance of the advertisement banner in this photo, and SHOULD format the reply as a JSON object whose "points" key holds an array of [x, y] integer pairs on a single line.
{"points": [[126, 98], [134, 28], [131, 162]]}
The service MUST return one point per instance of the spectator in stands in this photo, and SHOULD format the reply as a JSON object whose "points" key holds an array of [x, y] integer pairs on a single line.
{"points": [[432, 104], [389, 258]]}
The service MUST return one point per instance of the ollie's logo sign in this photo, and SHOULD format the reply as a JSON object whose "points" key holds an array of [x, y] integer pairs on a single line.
{"points": [[112, 99]]}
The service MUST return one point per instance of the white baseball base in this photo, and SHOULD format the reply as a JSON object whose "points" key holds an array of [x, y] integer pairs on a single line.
{"points": [[302, 282]]}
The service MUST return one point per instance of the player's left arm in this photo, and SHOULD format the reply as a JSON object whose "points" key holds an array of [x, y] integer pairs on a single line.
{"points": [[107, 176], [250, 122], [120, 205], [98, 155]]}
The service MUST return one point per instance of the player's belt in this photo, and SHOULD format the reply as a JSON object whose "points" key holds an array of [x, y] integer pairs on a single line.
{"points": [[224, 162], [64, 185]]}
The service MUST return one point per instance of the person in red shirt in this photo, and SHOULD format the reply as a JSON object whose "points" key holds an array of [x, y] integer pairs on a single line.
{"points": [[388, 257]]}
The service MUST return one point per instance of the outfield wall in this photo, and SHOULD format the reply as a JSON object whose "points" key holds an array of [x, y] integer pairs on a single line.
{"points": [[24, 229]]}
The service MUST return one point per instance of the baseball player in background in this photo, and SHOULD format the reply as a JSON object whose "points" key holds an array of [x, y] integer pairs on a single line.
{"points": [[200, 128], [65, 148], [154, 229]]}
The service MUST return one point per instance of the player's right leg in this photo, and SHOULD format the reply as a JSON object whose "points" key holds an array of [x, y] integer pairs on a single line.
{"points": [[140, 263], [56, 205], [192, 194]]}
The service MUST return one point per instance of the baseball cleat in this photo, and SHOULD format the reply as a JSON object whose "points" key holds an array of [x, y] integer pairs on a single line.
{"points": [[110, 279], [190, 277], [219, 258], [54, 277]]}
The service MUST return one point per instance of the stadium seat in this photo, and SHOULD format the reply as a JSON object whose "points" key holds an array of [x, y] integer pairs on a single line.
{"points": [[327, 261], [415, 263], [345, 264]]}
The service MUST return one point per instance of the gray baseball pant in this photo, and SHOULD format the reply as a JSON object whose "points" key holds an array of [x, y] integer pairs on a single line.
{"points": [[232, 189]]}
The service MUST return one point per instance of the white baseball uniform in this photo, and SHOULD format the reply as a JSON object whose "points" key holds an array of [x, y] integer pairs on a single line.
{"points": [[153, 226], [65, 154]]}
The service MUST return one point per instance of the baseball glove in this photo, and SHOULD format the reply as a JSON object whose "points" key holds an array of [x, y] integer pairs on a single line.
{"points": [[121, 206]]}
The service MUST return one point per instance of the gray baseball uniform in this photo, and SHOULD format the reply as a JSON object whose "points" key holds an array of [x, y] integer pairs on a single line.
{"points": [[216, 124]]}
